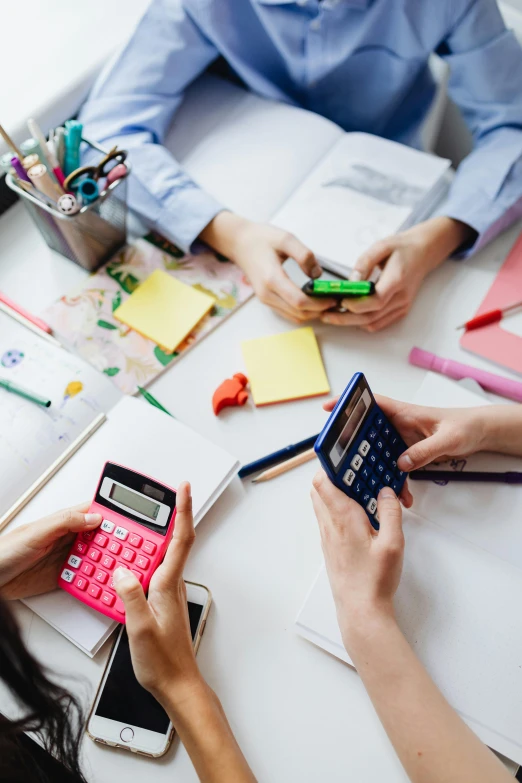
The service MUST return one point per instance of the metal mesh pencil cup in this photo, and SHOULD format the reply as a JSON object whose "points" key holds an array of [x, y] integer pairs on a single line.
{"points": [[89, 237]]}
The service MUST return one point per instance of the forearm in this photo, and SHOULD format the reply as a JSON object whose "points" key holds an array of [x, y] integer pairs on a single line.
{"points": [[502, 429], [443, 236], [431, 740], [203, 729]]}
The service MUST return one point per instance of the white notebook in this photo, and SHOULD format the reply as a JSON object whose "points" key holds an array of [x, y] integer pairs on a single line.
{"points": [[145, 439], [459, 599]]}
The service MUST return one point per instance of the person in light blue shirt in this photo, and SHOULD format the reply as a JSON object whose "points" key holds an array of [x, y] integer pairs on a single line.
{"points": [[362, 64]]}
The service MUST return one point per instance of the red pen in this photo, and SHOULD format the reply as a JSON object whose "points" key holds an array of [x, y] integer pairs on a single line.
{"points": [[25, 314], [490, 317]]}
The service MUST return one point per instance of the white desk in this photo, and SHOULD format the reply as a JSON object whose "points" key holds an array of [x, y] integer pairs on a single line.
{"points": [[299, 714]]}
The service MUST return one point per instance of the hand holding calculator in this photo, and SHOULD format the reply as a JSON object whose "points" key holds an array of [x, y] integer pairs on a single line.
{"points": [[359, 448], [138, 522]]}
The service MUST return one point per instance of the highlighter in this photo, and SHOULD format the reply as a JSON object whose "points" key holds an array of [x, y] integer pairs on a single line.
{"points": [[339, 289], [73, 138]]}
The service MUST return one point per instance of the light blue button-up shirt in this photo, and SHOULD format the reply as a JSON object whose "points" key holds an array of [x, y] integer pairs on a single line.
{"points": [[360, 63]]}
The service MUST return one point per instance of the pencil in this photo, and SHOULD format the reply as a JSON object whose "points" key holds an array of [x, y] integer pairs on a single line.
{"points": [[21, 320], [284, 467], [25, 393], [10, 143]]}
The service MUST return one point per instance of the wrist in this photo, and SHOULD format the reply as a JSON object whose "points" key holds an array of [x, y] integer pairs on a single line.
{"points": [[442, 236], [362, 625], [185, 697], [495, 429], [222, 233]]}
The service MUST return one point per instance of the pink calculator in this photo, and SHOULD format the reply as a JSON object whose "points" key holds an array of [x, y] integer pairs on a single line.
{"points": [[138, 520]]}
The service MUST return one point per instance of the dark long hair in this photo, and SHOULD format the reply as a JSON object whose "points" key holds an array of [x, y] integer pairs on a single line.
{"points": [[47, 709]]}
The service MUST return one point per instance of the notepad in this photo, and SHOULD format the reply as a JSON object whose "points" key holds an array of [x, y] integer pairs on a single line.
{"points": [[285, 367], [164, 310]]}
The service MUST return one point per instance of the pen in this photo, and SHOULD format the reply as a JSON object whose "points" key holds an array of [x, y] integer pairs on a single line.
{"points": [[10, 143], [28, 324], [40, 178], [490, 317], [25, 313], [59, 145], [488, 380], [73, 138], [19, 169], [509, 477], [25, 393], [277, 456], [36, 133], [284, 467], [153, 401]]}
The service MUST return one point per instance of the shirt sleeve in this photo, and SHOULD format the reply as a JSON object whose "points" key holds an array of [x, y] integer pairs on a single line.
{"points": [[485, 61], [132, 105]]}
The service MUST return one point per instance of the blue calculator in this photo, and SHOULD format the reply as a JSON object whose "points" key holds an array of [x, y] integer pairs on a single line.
{"points": [[359, 448]]}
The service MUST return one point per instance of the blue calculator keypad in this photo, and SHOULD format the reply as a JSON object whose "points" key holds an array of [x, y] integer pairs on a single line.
{"points": [[371, 464]]}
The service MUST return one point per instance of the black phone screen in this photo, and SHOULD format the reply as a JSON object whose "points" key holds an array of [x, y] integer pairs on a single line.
{"points": [[124, 700]]}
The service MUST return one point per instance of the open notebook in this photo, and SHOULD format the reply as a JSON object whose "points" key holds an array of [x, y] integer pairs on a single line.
{"points": [[459, 599], [338, 192], [128, 431]]}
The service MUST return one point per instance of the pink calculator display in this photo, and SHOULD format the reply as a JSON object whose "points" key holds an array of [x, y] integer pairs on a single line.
{"points": [[138, 521]]}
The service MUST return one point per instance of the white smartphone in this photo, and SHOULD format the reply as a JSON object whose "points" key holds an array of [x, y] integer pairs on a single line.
{"points": [[124, 714]]}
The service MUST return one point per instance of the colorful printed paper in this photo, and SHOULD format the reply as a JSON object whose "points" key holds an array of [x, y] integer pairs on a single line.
{"points": [[84, 319], [164, 310], [285, 367]]}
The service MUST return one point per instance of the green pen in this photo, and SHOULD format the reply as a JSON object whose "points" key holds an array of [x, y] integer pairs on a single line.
{"points": [[339, 289], [153, 401], [25, 393]]}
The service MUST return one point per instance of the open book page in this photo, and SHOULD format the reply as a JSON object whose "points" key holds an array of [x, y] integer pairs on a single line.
{"points": [[488, 515], [33, 437], [459, 608], [248, 152], [364, 189], [142, 438]]}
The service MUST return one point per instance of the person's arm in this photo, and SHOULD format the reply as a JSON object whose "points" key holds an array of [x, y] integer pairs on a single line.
{"points": [[164, 661], [364, 570]]}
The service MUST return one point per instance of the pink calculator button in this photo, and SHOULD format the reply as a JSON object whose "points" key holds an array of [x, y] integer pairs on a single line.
{"points": [[101, 576], [149, 547], [87, 568], [100, 539], [137, 573], [135, 540], [89, 535], [94, 590], [107, 561], [142, 562], [115, 547], [107, 598], [128, 555], [81, 583], [119, 606], [94, 554], [81, 547]]}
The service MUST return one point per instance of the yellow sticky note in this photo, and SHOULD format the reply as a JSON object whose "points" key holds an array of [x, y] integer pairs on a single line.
{"points": [[164, 310], [285, 366]]}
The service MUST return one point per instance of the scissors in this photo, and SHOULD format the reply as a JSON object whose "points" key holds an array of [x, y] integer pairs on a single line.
{"points": [[114, 156]]}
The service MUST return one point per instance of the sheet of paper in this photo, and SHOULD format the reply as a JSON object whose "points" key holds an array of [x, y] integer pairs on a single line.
{"points": [[285, 366], [164, 309], [487, 515], [459, 608], [33, 437], [364, 189], [147, 440]]}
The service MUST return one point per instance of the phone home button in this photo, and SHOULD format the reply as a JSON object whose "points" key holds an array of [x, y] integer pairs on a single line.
{"points": [[127, 734]]}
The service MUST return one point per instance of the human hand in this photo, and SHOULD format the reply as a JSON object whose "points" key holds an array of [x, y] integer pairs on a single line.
{"points": [[32, 555], [433, 433], [364, 567], [158, 627], [260, 250], [405, 259]]}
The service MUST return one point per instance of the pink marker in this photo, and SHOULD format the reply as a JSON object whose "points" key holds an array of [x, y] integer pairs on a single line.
{"points": [[497, 384]]}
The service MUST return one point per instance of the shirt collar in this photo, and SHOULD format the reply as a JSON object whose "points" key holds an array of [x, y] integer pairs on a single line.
{"points": [[353, 3]]}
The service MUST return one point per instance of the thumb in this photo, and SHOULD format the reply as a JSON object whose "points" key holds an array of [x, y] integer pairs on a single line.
{"points": [[367, 262], [390, 518], [131, 593], [423, 452], [71, 520], [293, 248]]}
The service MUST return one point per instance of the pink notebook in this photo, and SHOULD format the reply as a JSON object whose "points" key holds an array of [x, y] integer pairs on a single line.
{"points": [[494, 342]]}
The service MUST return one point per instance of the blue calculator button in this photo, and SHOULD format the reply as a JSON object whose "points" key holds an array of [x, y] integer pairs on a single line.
{"points": [[378, 421], [357, 487], [395, 485], [379, 444], [373, 459], [366, 473], [381, 468], [387, 455], [394, 464], [373, 483], [388, 478], [394, 441], [366, 497], [386, 431], [372, 434]]}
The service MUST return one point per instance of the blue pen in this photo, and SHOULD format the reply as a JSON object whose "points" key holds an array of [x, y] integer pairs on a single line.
{"points": [[277, 456], [73, 138]]}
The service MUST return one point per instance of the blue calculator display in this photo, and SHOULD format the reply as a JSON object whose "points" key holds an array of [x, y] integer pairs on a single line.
{"points": [[359, 448]]}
